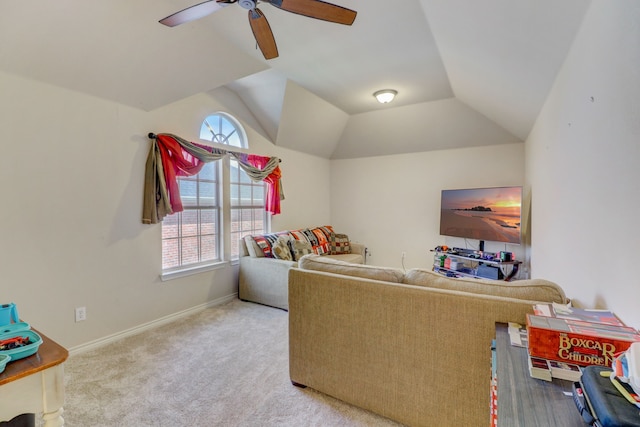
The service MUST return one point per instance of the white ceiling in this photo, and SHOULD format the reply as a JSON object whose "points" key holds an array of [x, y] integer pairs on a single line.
{"points": [[467, 72]]}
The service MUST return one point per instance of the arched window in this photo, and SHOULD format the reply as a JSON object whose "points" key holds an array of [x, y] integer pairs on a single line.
{"points": [[222, 128], [217, 208]]}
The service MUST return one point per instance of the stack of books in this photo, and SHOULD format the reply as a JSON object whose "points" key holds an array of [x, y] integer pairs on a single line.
{"points": [[565, 338], [563, 311], [564, 371], [544, 369], [539, 367]]}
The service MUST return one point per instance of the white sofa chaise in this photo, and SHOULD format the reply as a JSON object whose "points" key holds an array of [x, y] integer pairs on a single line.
{"points": [[263, 279]]}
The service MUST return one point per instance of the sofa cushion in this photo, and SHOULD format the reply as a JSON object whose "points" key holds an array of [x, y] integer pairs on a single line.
{"points": [[339, 244], [300, 248], [533, 290], [321, 263], [352, 258]]}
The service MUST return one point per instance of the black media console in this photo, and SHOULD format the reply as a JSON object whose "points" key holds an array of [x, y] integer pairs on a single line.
{"points": [[459, 262]]}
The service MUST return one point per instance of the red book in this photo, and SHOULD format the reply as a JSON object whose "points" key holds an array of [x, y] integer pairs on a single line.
{"points": [[577, 342]]}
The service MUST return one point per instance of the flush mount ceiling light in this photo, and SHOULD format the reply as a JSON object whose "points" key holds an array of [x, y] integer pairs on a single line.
{"points": [[385, 96]]}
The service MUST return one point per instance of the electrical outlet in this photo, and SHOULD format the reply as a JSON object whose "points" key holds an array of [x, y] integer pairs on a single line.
{"points": [[81, 314]]}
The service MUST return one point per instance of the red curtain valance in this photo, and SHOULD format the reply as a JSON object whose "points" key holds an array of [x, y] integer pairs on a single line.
{"points": [[171, 157]]}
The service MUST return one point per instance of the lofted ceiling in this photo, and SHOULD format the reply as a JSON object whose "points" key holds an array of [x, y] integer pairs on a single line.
{"points": [[467, 72]]}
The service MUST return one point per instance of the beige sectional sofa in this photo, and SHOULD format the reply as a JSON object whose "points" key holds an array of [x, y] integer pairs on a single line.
{"points": [[263, 278], [413, 347]]}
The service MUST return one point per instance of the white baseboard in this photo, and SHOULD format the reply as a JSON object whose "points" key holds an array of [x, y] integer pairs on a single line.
{"points": [[100, 342]]}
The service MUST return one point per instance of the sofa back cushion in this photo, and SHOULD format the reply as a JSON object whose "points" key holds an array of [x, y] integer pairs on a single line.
{"points": [[320, 263], [532, 290], [252, 247]]}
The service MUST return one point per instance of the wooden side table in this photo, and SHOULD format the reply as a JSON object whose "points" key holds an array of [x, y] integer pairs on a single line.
{"points": [[35, 384], [525, 401]]}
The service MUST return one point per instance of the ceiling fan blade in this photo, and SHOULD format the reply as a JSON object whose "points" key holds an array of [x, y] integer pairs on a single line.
{"points": [[263, 34], [194, 12], [317, 9]]}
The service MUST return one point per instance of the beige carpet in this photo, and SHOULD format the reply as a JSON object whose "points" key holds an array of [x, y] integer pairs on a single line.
{"points": [[224, 366]]}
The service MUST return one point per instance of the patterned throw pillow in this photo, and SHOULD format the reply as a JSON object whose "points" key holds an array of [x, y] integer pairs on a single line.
{"points": [[318, 237], [281, 248], [300, 248], [339, 244], [322, 234], [298, 235], [266, 242], [308, 235]]}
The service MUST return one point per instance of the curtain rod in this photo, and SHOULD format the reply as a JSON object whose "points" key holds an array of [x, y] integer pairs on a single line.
{"points": [[152, 135]]}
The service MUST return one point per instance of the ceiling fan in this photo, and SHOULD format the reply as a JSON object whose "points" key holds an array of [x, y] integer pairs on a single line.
{"points": [[317, 9]]}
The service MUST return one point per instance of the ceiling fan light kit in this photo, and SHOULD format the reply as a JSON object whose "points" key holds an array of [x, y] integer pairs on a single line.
{"points": [[317, 9], [247, 4], [385, 96]]}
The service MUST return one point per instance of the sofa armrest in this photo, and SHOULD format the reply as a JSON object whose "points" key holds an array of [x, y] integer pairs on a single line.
{"points": [[264, 280], [242, 248], [357, 248]]}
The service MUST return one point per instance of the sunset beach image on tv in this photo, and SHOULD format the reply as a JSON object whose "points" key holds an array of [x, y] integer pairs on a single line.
{"points": [[491, 214]]}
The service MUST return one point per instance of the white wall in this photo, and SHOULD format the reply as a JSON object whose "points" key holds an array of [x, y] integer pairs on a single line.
{"points": [[71, 179], [583, 166], [392, 203], [306, 190]]}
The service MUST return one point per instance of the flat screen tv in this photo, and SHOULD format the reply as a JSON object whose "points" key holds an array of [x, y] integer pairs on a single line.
{"points": [[491, 214]]}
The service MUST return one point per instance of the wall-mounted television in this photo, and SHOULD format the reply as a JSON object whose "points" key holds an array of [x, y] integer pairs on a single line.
{"points": [[492, 214]]}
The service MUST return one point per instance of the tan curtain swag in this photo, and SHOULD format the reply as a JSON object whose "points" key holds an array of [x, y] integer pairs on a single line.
{"points": [[171, 157]]}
